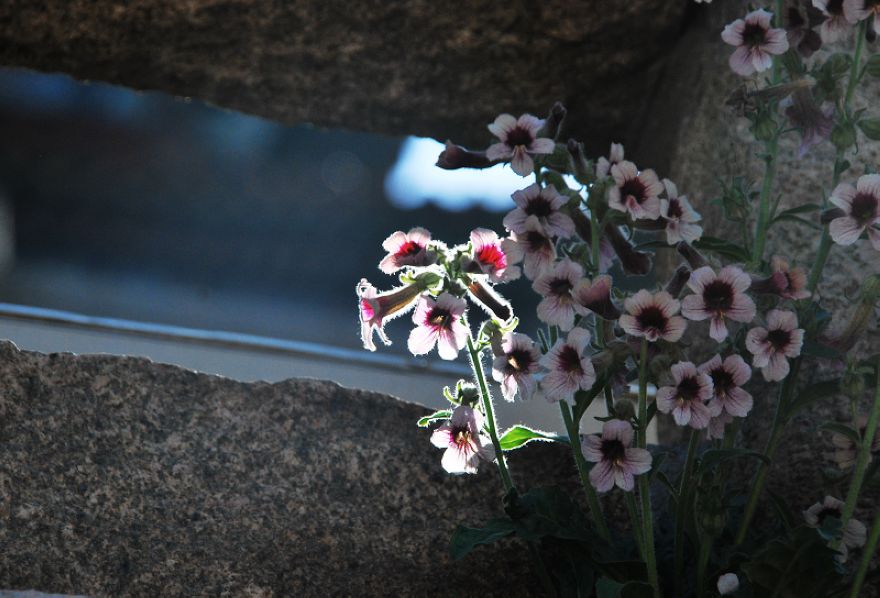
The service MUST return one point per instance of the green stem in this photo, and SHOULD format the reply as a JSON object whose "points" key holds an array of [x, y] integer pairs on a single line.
{"points": [[584, 471], [644, 485], [868, 553], [819, 263], [854, 69], [703, 563], [682, 508], [638, 532], [763, 221], [595, 247]]}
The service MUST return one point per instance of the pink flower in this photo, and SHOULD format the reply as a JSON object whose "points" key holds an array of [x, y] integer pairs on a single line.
{"points": [[439, 323], [615, 156], [556, 285], [537, 247], [718, 296], [492, 256], [407, 249], [854, 534], [515, 368], [834, 27], [652, 316], [376, 308], [465, 445], [635, 192], [492, 303], [728, 376], [815, 122], [859, 10], [518, 142], [785, 281], [861, 206], [616, 463], [595, 295], [680, 216], [686, 399], [755, 41], [544, 204], [570, 368], [772, 345]]}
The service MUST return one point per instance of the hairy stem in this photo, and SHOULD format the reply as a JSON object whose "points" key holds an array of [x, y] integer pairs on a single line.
{"points": [[644, 485]]}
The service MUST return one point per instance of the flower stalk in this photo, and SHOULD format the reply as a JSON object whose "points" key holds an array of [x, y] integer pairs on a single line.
{"points": [[682, 510], [644, 485], [867, 554]]}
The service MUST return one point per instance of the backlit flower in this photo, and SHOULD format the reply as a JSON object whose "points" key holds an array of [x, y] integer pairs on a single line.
{"points": [[772, 346], [439, 323], [492, 303], [544, 204], [569, 365], [492, 256], [835, 27], [755, 42], [728, 376], [595, 296], [518, 142], [616, 463], [515, 368], [718, 297], [861, 206], [854, 533], [556, 286], [652, 316], [537, 247], [686, 398], [375, 309], [603, 164], [637, 193], [680, 217], [461, 435], [859, 10], [407, 249]]}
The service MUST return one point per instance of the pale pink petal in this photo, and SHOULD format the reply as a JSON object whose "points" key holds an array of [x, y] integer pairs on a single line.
{"points": [[700, 278], [503, 124], [781, 319], [542, 145], [732, 33], [623, 479], [869, 183], [499, 151], [739, 370], [693, 307], [629, 325], [674, 329], [456, 461], [394, 241], [742, 309], [442, 436], [717, 329], [617, 429], [735, 277], [602, 476], [522, 162], [422, 340], [638, 460], [592, 448], [738, 402], [845, 230], [700, 415], [843, 196], [666, 399], [530, 123], [623, 172], [776, 369], [776, 42], [481, 237], [794, 346], [710, 365], [740, 62], [682, 414]]}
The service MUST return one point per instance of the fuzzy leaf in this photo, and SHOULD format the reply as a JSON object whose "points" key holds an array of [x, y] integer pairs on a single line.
{"points": [[518, 436], [465, 539], [437, 415], [871, 128], [872, 67], [843, 430]]}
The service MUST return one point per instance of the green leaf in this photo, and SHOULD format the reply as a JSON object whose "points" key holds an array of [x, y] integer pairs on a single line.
{"points": [[838, 65], [519, 435], [872, 67], [871, 128], [814, 349], [843, 430], [813, 393], [714, 456], [437, 415], [723, 248], [465, 539], [797, 219]]}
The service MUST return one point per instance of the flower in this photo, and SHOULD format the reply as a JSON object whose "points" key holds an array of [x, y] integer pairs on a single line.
{"points": [[518, 142], [635, 192], [799, 24], [652, 316], [785, 281], [636, 263], [595, 295], [718, 296], [556, 285], [859, 10], [615, 156], [755, 41], [686, 399], [680, 216], [492, 256], [814, 122], [407, 249], [376, 308], [715, 430], [854, 533], [834, 27], [537, 247], [770, 346], [847, 451], [492, 303], [515, 368], [570, 368], [439, 323], [861, 206], [465, 445], [727, 378], [454, 157], [544, 204], [728, 584], [616, 462]]}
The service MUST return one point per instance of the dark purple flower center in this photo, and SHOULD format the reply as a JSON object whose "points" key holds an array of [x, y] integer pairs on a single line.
{"points": [[560, 287], [722, 381], [536, 241], [754, 35], [674, 210], [539, 207], [613, 450], [652, 317], [718, 296], [461, 436], [409, 248], [569, 360], [519, 136], [519, 360], [834, 7], [827, 512], [440, 317], [779, 339], [688, 389], [864, 208], [633, 188]]}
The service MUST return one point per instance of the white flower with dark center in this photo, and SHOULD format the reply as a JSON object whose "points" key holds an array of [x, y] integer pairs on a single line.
{"points": [[686, 398], [756, 41], [545, 205], [556, 286], [680, 216], [518, 142], [861, 206], [492, 256], [834, 27], [461, 435], [728, 376], [718, 297], [595, 295], [603, 164], [439, 323], [772, 346], [407, 249], [637, 193], [515, 368], [569, 365], [854, 534], [859, 10], [537, 247], [616, 463], [652, 317]]}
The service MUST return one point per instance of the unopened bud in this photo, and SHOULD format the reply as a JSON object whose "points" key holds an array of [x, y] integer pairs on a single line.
{"points": [[456, 156], [553, 122], [624, 409], [843, 136], [582, 169], [693, 257], [634, 262], [765, 127], [493, 303], [676, 284]]}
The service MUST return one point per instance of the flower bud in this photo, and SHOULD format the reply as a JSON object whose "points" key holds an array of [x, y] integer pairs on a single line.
{"points": [[456, 156], [624, 409], [765, 127], [491, 302], [634, 262], [582, 169], [693, 257], [467, 393], [843, 136], [676, 284], [553, 122], [712, 516]]}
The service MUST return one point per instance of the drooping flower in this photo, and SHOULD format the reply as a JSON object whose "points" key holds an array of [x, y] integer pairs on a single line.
{"points": [[772, 346], [492, 256], [492, 303], [854, 533], [375, 309], [755, 42], [518, 142], [545, 205], [637, 193], [461, 435], [680, 216], [616, 462], [834, 27], [454, 157], [686, 398], [595, 296], [556, 286], [861, 206], [719, 296], [785, 281], [439, 323], [653, 316], [537, 247], [407, 249], [570, 368], [859, 10], [636, 263], [815, 122], [728, 377], [603, 164], [515, 368], [728, 584], [847, 451]]}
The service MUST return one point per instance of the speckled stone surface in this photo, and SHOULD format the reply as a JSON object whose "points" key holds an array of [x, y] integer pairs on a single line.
{"points": [[119, 476]]}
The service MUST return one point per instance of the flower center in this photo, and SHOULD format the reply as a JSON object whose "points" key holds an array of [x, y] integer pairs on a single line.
{"points": [[560, 287], [409, 248], [536, 241], [461, 437], [834, 7], [864, 208], [674, 210], [539, 207], [569, 360], [827, 512], [440, 318], [754, 35], [722, 381], [519, 360], [688, 389], [633, 188], [779, 339], [519, 136], [492, 256], [367, 309], [718, 296], [652, 317], [613, 450]]}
